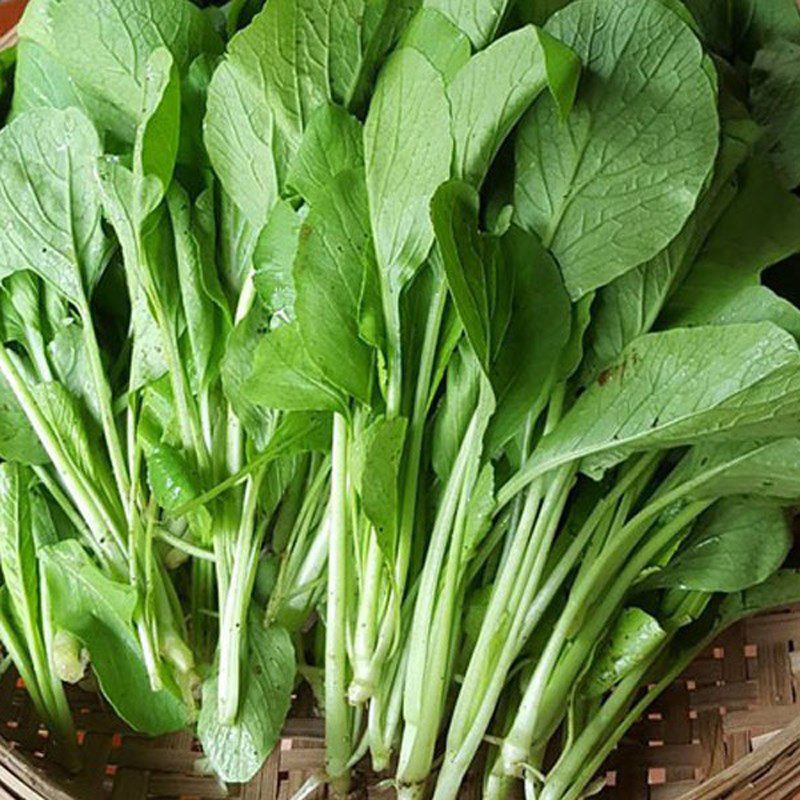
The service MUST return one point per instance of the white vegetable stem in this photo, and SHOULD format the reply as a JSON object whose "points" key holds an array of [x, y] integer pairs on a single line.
{"points": [[337, 712]]}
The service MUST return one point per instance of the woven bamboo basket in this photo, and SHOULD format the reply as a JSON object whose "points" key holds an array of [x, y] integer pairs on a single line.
{"points": [[728, 728]]}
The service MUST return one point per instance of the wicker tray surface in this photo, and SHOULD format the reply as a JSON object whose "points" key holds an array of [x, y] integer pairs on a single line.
{"points": [[713, 734]]}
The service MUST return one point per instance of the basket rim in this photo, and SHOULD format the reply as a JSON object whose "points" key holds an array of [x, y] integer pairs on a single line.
{"points": [[782, 743], [20, 775], [8, 39]]}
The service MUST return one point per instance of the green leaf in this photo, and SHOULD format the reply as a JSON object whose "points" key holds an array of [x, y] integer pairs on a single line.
{"points": [[211, 249], [18, 555], [293, 46], [573, 353], [236, 752], [171, 479], [407, 148], [73, 428], [756, 24], [283, 376], [612, 186], [379, 487], [41, 81], [206, 324], [67, 354], [780, 590], [439, 40], [239, 128], [357, 50], [174, 485], [20, 313], [736, 545], [331, 144], [156, 142], [775, 98], [49, 200], [300, 432], [470, 260], [480, 509], [679, 387], [98, 611], [749, 304], [102, 48], [293, 58], [237, 238], [147, 245], [479, 19], [532, 350], [237, 365], [334, 250], [633, 638], [297, 432], [16, 647], [157, 420], [453, 414], [18, 442], [759, 228], [194, 92], [631, 304], [766, 469], [273, 259], [490, 94]]}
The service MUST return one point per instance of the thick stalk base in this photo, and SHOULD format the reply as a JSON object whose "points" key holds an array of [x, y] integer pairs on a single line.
{"points": [[411, 791], [513, 759], [361, 689], [340, 786], [449, 780]]}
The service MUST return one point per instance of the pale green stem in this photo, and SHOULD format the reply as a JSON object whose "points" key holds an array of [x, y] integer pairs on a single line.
{"points": [[104, 404], [493, 657], [90, 506], [187, 547], [520, 737], [432, 634], [234, 608], [234, 437], [364, 677], [60, 711], [337, 714], [65, 504]]}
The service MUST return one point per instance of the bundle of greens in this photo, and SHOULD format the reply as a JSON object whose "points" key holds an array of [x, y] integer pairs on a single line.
{"points": [[417, 351], [126, 272]]}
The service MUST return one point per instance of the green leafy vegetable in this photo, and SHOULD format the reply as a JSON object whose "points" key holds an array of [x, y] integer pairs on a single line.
{"points": [[590, 206], [440, 354], [236, 752]]}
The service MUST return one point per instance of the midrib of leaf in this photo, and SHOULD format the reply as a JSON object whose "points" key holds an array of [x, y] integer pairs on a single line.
{"points": [[530, 471]]}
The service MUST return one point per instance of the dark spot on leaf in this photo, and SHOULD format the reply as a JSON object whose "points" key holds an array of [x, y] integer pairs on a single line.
{"points": [[603, 377]]}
